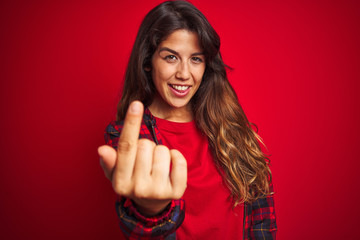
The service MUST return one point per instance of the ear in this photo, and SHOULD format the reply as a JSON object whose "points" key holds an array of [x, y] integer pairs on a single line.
{"points": [[147, 69]]}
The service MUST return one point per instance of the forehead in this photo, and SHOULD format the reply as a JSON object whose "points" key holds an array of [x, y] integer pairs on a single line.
{"points": [[181, 40]]}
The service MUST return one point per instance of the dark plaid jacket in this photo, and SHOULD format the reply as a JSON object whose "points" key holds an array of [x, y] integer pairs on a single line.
{"points": [[259, 217]]}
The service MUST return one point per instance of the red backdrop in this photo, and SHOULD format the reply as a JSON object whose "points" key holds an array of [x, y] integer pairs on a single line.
{"points": [[296, 72]]}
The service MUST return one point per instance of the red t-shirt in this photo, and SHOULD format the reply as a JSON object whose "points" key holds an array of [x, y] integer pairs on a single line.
{"points": [[209, 212]]}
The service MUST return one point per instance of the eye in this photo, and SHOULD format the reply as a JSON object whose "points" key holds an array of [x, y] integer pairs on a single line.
{"points": [[170, 58], [197, 60]]}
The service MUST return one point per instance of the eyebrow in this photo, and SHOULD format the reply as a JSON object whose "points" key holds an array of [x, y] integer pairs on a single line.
{"points": [[176, 53]]}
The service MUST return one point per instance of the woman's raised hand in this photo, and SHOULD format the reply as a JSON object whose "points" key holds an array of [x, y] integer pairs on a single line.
{"points": [[140, 169]]}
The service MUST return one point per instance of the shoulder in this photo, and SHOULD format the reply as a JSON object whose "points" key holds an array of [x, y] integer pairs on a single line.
{"points": [[114, 128]]}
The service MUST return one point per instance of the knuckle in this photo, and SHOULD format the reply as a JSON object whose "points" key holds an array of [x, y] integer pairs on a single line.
{"points": [[175, 152], [132, 120], [158, 193], [125, 145], [162, 152], [179, 192], [140, 191], [162, 148], [176, 195], [180, 162], [145, 143], [121, 187], [182, 167], [178, 158]]}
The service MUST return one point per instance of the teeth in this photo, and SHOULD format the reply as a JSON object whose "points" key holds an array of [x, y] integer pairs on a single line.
{"points": [[180, 88]]}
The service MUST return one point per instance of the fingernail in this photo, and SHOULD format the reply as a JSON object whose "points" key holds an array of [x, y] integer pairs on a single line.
{"points": [[135, 107]]}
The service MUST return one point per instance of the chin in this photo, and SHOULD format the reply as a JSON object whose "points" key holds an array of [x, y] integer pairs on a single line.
{"points": [[179, 104]]}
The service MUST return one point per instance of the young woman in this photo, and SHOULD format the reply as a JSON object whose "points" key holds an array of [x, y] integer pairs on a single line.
{"points": [[196, 170]]}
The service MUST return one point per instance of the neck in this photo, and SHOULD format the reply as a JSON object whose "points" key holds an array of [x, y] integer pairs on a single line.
{"points": [[162, 110]]}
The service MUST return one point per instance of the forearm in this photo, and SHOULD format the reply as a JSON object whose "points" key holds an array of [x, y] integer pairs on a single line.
{"points": [[150, 208], [134, 224]]}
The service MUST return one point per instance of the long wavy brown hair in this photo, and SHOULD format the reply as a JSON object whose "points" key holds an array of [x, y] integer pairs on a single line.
{"points": [[217, 112]]}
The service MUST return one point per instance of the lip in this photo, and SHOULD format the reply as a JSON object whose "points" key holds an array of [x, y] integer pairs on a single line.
{"points": [[179, 93]]}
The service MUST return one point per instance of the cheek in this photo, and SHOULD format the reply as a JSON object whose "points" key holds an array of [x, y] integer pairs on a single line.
{"points": [[157, 78], [199, 75], [162, 74]]}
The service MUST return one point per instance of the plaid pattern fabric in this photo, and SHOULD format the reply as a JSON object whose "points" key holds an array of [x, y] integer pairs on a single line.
{"points": [[148, 130], [136, 226], [259, 217]]}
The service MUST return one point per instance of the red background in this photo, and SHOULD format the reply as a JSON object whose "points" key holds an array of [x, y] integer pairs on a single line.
{"points": [[296, 72]]}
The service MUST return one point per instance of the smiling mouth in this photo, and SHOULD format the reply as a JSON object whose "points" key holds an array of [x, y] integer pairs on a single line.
{"points": [[179, 88]]}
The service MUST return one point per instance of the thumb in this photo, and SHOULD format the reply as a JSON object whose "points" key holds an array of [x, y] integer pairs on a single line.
{"points": [[107, 160]]}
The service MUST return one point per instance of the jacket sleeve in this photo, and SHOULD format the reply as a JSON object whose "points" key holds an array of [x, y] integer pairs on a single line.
{"points": [[133, 224], [260, 221]]}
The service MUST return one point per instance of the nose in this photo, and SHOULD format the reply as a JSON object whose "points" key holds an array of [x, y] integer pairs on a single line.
{"points": [[183, 71]]}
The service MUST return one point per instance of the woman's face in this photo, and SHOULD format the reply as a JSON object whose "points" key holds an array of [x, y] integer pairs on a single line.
{"points": [[178, 66]]}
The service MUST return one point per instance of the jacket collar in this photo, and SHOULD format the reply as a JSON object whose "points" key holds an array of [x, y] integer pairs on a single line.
{"points": [[150, 123]]}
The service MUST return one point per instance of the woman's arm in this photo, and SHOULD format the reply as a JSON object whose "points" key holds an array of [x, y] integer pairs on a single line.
{"points": [[136, 221], [137, 226], [260, 220]]}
